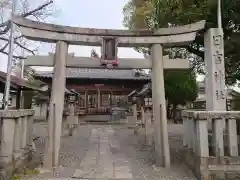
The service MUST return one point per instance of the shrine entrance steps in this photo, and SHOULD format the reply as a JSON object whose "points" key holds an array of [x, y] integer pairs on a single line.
{"points": [[111, 152]]}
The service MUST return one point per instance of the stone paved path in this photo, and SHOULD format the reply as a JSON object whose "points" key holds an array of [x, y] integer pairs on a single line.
{"points": [[111, 152]]}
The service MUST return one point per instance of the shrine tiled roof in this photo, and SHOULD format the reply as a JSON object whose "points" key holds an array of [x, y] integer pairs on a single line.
{"points": [[83, 73], [16, 83], [147, 88]]}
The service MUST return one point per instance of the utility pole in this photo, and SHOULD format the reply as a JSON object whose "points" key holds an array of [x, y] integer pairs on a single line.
{"points": [[219, 16], [10, 57], [21, 93]]}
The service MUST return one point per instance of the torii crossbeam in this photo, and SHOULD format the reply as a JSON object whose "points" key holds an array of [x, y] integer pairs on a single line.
{"points": [[124, 63]]}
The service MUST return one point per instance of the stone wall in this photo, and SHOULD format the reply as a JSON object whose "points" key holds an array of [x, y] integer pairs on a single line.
{"points": [[17, 147], [212, 151]]}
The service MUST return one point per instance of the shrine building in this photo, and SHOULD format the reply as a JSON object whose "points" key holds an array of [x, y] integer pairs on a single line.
{"points": [[100, 89]]}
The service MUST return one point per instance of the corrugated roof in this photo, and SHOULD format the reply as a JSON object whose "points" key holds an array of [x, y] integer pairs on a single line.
{"points": [[83, 73]]}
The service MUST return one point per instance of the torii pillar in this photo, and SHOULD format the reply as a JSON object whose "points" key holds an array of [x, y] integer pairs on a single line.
{"points": [[159, 108], [56, 106]]}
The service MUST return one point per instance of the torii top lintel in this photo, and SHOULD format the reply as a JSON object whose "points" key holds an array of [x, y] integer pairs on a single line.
{"points": [[93, 37]]}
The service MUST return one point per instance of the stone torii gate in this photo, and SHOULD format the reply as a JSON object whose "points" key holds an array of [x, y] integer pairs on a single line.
{"points": [[63, 36]]}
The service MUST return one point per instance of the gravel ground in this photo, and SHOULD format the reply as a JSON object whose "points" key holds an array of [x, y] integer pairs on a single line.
{"points": [[112, 144]]}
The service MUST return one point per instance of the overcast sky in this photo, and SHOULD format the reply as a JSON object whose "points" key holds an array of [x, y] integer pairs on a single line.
{"points": [[87, 13]]}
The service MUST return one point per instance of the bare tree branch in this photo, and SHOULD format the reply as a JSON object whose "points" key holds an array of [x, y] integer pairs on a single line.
{"points": [[21, 45], [16, 57], [37, 9], [4, 47], [6, 24]]}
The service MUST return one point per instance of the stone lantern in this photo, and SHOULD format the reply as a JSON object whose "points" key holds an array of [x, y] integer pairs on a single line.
{"points": [[71, 98], [71, 101], [134, 100], [72, 118]]}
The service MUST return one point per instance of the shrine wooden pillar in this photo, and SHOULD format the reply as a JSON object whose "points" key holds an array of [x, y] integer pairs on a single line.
{"points": [[98, 98], [18, 100], [86, 100], [111, 94]]}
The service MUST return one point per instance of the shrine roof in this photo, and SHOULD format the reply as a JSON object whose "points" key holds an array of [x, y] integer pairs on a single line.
{"points": [[16, 83], [83, 73], [146, 89]]}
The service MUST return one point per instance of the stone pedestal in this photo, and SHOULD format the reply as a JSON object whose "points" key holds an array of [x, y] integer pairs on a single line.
{"points": [[148, 127], [132, 120], [72, 119], [65, 129], [72, 122]]}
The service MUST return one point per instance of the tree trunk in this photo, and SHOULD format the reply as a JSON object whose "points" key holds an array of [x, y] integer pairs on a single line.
{"points": [[169, 111]]}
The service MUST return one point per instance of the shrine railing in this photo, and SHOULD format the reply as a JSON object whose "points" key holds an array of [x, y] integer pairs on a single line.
{"points": [[16, 139], [211, 140]]}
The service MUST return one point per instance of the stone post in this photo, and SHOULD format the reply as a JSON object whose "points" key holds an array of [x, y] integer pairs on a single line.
{"points": [[20, 126], [191, 133], [148, 128], [215, 71], [134, 109], [134, 117], [17, 137], [56, 105], [202, 138], [24, 132], [218, 137], [30, 131], [71, 109], [147, 122], [142, 115], [185, 135], [159, 107], [232, 137], [202, 147], [72, 120], [132, 120], [7, 144]]}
